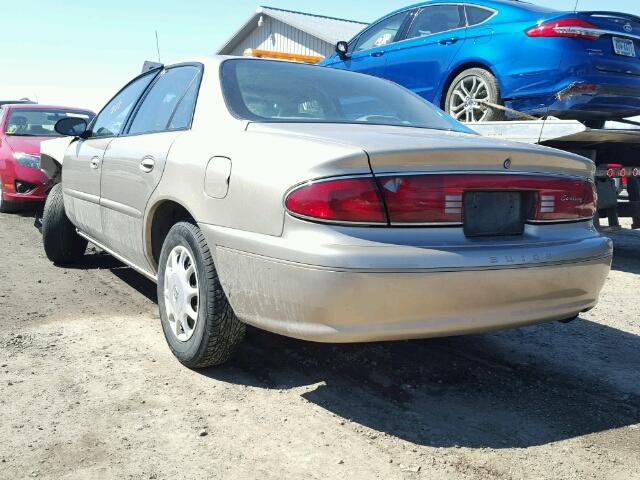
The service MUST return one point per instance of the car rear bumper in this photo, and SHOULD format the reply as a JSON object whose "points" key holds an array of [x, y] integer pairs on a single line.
{"points": [[376, 301], [587, 98], [323, 305]]}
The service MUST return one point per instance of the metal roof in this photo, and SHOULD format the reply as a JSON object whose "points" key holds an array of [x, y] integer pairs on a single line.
{"points": [[328, 29]]}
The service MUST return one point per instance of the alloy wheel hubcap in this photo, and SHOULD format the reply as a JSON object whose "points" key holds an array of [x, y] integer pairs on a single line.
{"points": [[181, 293], [466, 103]]}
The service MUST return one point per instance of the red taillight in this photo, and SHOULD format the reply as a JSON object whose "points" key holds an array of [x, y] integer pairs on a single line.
{"points": [[436, 199], [424, 199], [351, 200], [618, 171], [563, 199], [566, 27]]}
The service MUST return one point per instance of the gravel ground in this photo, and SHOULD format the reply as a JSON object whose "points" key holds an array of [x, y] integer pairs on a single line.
{"points": [[88, 390]]}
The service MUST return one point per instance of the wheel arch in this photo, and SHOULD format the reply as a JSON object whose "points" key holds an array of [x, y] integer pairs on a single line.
{"points": [[52, 154], [457, 71], [163, 215], [52, 168]]}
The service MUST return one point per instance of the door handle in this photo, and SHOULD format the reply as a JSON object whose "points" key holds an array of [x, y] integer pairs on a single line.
{"points": [[95, 163], [449, 41], [377, 54], [147, 164]]}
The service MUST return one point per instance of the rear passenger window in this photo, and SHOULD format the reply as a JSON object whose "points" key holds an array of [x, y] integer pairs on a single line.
{"points": [[437, 19], [170, 102], [477, 15], [184, 113]]}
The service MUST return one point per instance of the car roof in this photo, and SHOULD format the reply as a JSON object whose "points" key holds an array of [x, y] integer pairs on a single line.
{"points": [[5, 102], [37, 106], [214, 61], [495, 4]]}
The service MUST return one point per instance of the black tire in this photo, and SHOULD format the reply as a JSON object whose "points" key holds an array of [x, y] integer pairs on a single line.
{"points": [[5, 207], [596, 123], [493, 93], [217, 331], [62, 244]]}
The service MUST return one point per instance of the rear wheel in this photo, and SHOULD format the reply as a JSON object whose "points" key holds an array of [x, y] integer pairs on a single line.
{"points": [[5, 207], [61, 241], [467, 94], [198, 322]]}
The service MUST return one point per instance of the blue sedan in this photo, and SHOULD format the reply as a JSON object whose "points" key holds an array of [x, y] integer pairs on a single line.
{"points": [[472, 57]]}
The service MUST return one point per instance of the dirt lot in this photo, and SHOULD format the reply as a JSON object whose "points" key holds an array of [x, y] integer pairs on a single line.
{"points": [[89, 390]]}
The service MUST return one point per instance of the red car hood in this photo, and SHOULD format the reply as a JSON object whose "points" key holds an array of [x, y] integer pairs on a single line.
{"points": [[30, 145]]}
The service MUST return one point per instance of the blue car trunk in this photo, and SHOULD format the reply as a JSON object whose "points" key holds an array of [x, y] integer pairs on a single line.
{"points": [[617, 51]]}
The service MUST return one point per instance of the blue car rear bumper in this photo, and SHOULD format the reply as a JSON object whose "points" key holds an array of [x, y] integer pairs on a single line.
{"points": [[597, 96]]}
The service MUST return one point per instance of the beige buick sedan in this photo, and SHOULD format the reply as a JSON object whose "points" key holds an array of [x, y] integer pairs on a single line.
{"points": [[319, 204]]}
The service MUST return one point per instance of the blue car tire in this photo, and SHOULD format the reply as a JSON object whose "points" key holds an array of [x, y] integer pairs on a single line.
{"points": [[467, 94]]}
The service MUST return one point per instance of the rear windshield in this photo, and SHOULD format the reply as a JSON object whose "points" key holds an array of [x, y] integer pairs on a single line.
{"points": [[39, 122], [274, 91]]}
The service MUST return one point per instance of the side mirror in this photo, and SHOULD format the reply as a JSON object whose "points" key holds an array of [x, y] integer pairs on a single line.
{"points": [[342, 49], [71, 127]]}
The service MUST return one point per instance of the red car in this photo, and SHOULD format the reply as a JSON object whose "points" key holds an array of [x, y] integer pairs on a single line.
{"points": [[22, 128]]}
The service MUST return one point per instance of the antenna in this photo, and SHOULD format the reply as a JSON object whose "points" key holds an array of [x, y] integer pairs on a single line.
{"points": [[575, 9], [158, 47]]}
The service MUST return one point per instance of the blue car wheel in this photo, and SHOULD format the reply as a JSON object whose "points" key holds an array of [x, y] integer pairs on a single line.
{"points": [[470, 94]]}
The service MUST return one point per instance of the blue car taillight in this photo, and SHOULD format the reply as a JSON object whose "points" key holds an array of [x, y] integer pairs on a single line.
{"points": [[568, 28]]}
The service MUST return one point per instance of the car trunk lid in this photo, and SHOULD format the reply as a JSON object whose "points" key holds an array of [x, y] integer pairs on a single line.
{"points": [[617, 50], [393, 149]]}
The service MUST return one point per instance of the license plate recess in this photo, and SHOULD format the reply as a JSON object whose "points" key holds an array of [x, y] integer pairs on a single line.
{"points": [[490, 214]]}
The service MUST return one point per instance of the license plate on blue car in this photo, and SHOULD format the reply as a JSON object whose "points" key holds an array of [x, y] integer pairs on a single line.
{"points": [[624, 47]]}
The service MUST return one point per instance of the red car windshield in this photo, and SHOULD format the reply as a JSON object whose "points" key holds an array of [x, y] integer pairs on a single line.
{"points": [[39, 122]]}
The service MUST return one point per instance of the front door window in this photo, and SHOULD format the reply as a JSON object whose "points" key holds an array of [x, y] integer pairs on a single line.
{"points": [[110, 121], [384, 33]]}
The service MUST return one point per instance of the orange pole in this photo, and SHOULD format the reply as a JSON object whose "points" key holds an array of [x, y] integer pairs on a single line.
{"points": [[295, 57]]}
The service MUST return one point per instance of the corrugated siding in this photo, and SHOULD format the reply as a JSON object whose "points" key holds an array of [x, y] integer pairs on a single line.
{"points": [[276, 36]]}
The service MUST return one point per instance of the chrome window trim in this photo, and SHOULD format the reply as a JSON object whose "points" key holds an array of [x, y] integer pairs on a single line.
{"points": [[419, 9], [427, 224], [343, 223], [484, 172]]}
